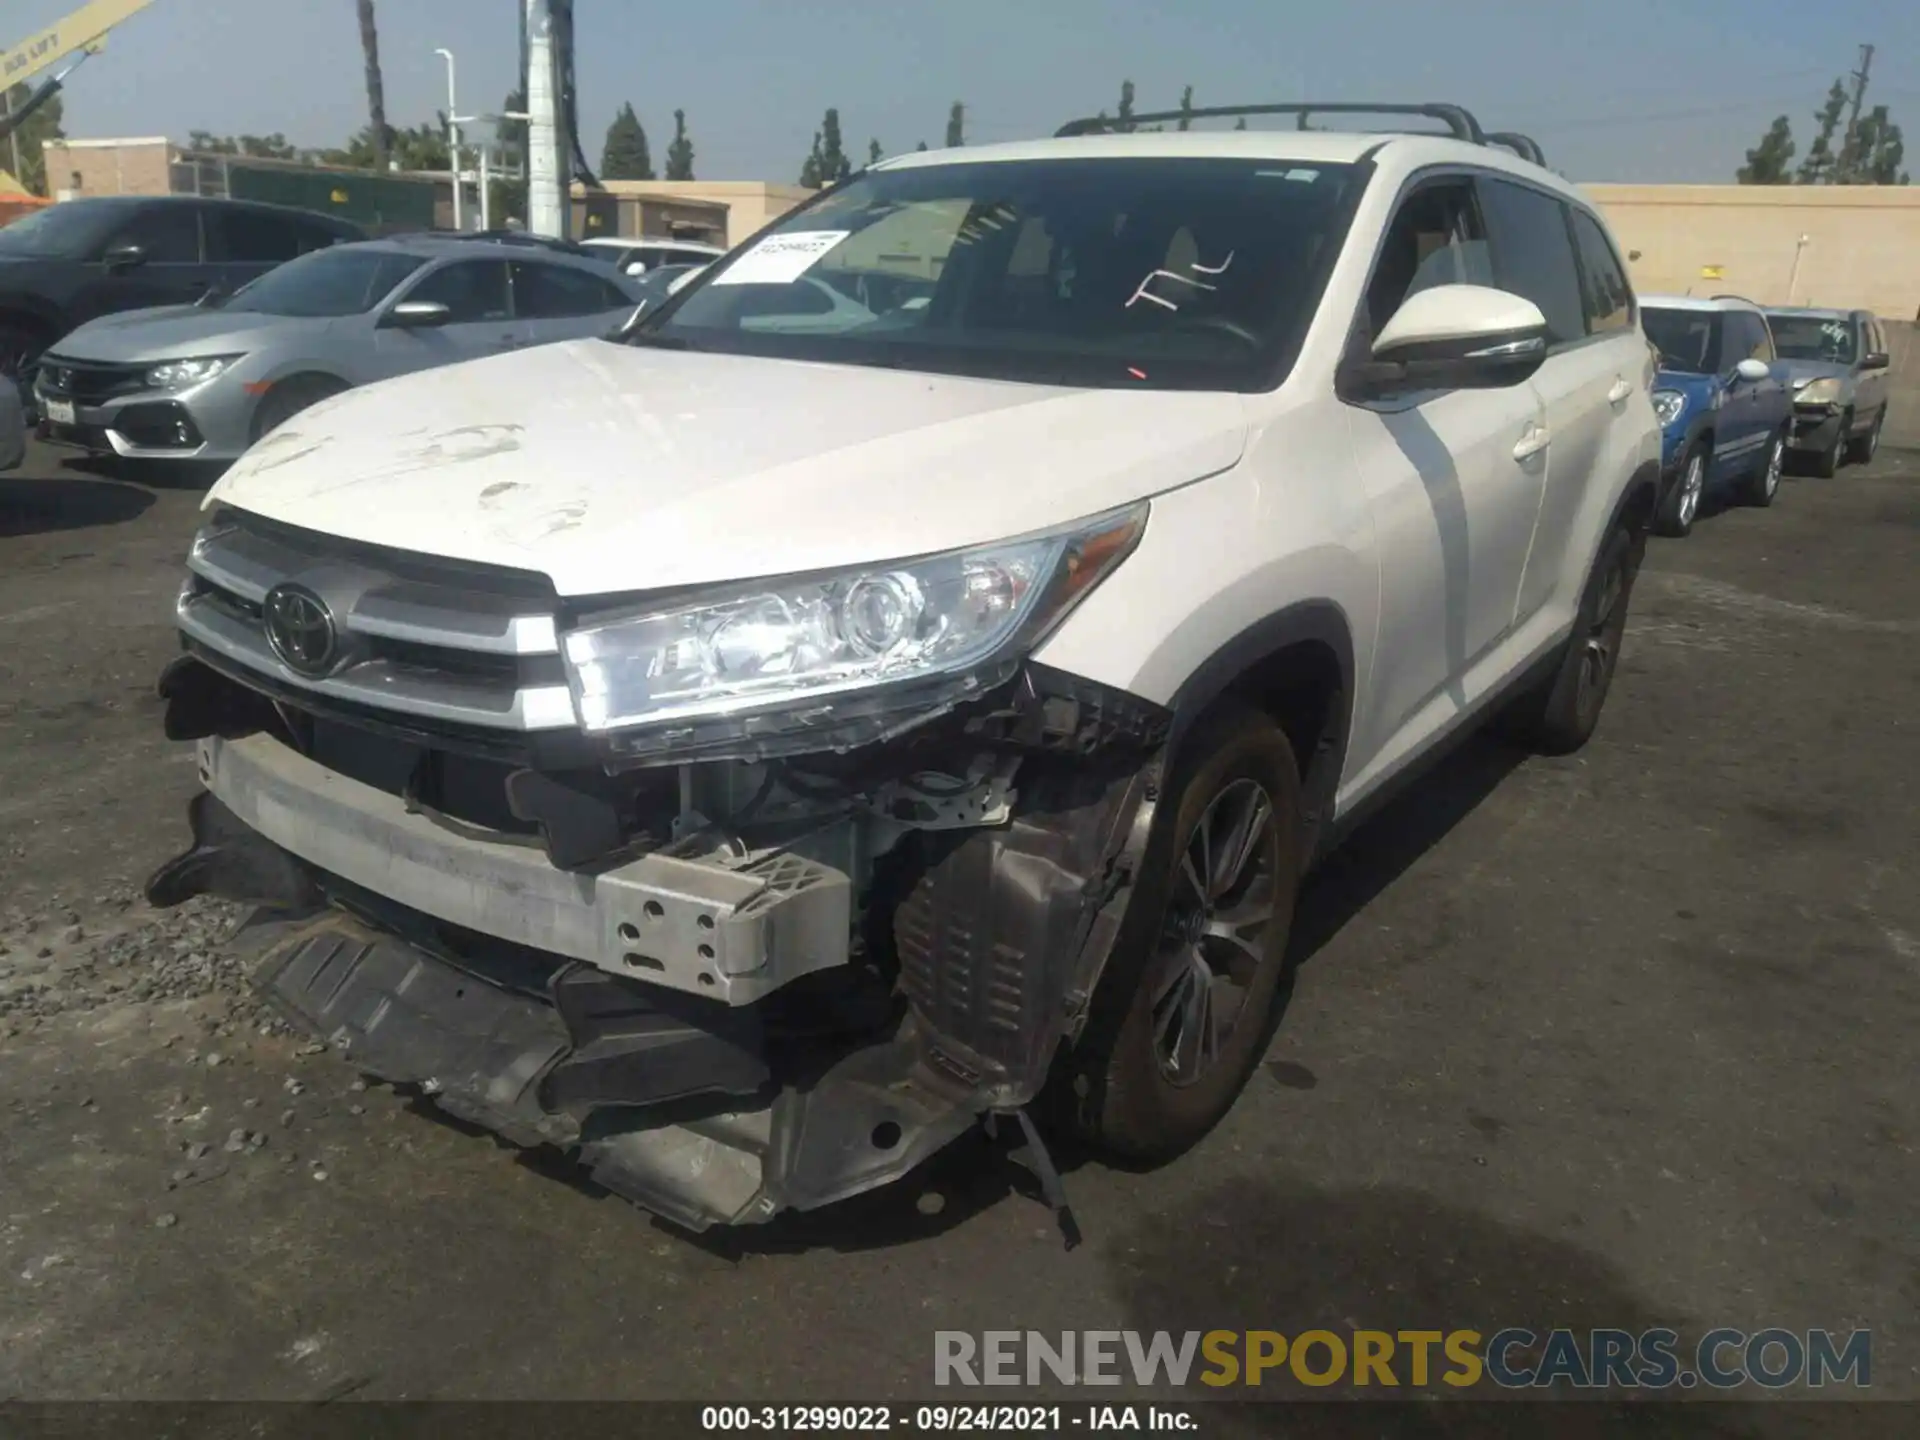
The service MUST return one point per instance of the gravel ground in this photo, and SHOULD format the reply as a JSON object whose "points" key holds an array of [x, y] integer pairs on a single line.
{"points": [[1616, 1040]]}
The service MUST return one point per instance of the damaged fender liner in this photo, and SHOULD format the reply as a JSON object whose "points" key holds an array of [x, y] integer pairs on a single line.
{"points": [[598, 1066]]}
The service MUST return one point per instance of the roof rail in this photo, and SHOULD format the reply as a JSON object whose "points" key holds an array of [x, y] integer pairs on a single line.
{"points": [[1458, 120], [1525, 146], [1741, 298]]}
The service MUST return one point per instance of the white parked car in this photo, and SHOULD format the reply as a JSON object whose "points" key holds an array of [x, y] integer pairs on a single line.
{"points": [[637, 257], [748, 756]]}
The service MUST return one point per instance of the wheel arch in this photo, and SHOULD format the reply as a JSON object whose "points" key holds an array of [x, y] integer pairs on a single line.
{"points": [[1297, 665], [325, 381]]}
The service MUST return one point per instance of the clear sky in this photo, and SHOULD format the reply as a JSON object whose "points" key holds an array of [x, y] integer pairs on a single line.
{"points": [[1653, 90]]}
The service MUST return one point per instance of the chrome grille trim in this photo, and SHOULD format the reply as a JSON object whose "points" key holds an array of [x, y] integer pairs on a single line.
{"points": [[451, 650]]}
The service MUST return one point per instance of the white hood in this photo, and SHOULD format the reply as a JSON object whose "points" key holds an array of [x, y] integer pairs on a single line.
{"points": [[609, 467]]}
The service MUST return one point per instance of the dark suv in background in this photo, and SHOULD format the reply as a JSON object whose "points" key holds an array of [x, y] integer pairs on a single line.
{"points": [[73, 262]]}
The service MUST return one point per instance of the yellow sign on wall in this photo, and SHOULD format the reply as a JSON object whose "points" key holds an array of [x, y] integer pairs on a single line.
{"points": [[1713, 272]]}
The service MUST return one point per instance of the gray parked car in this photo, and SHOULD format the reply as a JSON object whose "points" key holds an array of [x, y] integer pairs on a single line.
{"points": [[13, 426], [1837, 367], [204, 382]]}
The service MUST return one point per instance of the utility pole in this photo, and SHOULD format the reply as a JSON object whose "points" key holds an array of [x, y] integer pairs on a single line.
{"points": [[549, 202], [1850, 157]]}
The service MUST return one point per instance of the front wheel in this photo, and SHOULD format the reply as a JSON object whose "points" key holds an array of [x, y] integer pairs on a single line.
{"points": [[1182, 1013], [1682, 503], [1826, 463], [1764, 484]]}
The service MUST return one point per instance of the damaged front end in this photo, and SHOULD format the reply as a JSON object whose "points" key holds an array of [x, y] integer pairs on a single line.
{"points": [[736, 966]]}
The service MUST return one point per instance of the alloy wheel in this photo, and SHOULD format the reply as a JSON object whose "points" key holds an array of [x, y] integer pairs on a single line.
{"points": [[1775, 459], [1211, 944], [1602, 644], [1693, 484]]}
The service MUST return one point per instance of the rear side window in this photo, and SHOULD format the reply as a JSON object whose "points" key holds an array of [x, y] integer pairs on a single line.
{"points": [[472, 290], [1533, 254], [552, 292], [252, 237], [1606, 296], [170, 234]]}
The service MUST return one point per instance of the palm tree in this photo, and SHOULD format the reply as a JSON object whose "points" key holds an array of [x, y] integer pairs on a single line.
{"points": [[376, 92]]}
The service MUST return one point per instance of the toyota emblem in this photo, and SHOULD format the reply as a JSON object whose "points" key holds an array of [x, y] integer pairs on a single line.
{"points": [[300, 629]]}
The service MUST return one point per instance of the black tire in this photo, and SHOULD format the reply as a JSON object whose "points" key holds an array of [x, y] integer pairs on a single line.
{"points": [[1826, 464], [288, 399], [1862, 448], [1559, 714], [1763, 485], [1680, 507], [20, 347], [1129, 1099]]}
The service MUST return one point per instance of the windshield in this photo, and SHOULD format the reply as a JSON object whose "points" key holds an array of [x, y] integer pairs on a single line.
{"points": [[1686, 339], [70, 231], [1160, 272], [345, 280], [1814, 337]]}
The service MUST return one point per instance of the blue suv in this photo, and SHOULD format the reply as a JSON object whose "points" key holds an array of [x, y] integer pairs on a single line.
{"points": [[1722, 398]]}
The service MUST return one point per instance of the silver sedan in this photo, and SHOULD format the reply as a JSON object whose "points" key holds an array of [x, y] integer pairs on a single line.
{"points": [[203, 382]]}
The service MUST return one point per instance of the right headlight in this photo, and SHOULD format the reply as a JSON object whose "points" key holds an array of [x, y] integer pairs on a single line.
{"points": [[1818, 392], [808, 641], [1669, 406]]}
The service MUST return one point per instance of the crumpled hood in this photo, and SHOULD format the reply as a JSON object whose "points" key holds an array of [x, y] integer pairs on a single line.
{"points": [[1801, 371], [610, 467], [169, 332]]}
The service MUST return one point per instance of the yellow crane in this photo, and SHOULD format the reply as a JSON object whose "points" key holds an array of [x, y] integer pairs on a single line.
{"points": [[71, 40]]}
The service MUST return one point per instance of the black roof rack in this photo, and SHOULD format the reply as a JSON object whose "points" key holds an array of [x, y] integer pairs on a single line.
{"points": [[1525, 146], [1458, 119]]}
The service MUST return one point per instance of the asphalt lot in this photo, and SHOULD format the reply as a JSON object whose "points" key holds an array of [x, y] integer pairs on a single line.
{"points": [[1618, 1040]]}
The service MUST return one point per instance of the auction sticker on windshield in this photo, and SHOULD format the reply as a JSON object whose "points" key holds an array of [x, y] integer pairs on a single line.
{"points": [[779, 259]]}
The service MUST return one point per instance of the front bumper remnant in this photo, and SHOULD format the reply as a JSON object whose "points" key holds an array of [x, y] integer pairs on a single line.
{"points": [[595, 1063]]}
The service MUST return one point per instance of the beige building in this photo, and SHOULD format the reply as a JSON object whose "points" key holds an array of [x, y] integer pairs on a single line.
{"points": [[1832, 245], [751, 205]]}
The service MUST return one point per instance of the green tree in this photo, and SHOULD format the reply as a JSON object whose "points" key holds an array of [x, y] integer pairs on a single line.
{"points": [[624, 156], [262, 147], [1768, 162], [1123, 117], [874, 153], [34, 132], [834, 166], [1186, 109], [1241, 123], [921, 146], [680, 150], [810, 167], [1818, 166], [956, 126], [1880, 149]]}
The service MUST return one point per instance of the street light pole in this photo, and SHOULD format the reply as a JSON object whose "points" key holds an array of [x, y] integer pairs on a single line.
{"points": [[453, 139]]}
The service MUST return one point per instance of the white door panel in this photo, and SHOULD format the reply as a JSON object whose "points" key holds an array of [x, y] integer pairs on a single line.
{"points": [[1454, 481], [1584, 390]]}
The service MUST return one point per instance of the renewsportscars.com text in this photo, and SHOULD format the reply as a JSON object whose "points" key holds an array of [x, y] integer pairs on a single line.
{"points": [[1512, 1358]]}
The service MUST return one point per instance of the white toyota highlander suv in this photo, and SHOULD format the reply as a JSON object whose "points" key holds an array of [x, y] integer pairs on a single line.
{"points": [[902, 680]]}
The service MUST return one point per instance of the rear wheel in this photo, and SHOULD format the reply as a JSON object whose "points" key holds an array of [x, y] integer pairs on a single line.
{"points": [[1559, 715], [1863, 449], [1682, 503], [1182, 1013], [1764, 484]]}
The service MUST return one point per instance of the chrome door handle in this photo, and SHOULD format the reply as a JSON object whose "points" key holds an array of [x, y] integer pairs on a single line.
{"points": [[1620, 391], [1532, 443]]}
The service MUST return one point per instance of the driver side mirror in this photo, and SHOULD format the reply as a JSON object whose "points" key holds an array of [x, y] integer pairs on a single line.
{"points": [[124, 256], [1876, 361], [1452, 337], [1751, 369], [418, 315]]}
